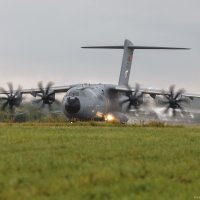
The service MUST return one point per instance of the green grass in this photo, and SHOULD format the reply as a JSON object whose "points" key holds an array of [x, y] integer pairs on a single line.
{"points": [[98, 161]]}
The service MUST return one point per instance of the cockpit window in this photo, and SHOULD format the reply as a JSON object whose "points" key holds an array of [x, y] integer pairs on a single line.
{"points": [[74, 93]]}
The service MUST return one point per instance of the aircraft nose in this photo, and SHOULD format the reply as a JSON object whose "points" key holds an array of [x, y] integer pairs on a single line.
{"points": [[72, 105]]}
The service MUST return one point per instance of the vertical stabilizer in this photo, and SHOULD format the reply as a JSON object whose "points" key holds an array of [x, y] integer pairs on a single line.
{"points": [[126, 63]]}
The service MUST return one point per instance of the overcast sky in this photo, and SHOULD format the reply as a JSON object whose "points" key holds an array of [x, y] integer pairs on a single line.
{"points": [[41, 40]]}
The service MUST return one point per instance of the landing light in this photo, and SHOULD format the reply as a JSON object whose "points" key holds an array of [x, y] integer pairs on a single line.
{"points": [[109, 118]]}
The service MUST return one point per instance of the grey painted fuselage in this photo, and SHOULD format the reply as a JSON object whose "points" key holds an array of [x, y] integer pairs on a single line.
{"points": [[90, 101]]}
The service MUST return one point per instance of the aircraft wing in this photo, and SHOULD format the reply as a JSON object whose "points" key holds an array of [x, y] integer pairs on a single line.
{"points": [[153, 92], [34, 91], [58, 89]]}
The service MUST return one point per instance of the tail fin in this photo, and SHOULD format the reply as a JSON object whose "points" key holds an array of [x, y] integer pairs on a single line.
{"points": [[128, 56], [126, 63]]}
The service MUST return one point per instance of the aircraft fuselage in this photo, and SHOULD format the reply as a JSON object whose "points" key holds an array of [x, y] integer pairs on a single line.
{"points": [[90, 102]]}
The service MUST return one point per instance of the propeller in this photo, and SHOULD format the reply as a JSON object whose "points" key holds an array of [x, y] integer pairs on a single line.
{"points": [[47, 95], [12, 98], [135, 99], [173, 100]]}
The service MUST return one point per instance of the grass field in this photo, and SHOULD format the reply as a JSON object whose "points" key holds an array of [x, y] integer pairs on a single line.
{"points": [[83, 161]]}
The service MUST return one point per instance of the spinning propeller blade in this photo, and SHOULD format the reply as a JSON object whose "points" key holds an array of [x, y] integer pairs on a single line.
{"points": [[134, 99], [46, 95], [173, 100], [12, 99]]}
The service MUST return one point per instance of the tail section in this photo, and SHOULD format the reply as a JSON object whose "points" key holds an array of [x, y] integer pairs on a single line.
{"points": [[128, 56], [126, 63]]}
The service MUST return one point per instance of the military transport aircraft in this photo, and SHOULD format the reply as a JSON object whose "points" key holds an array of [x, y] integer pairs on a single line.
{"points": [[101, 101]]}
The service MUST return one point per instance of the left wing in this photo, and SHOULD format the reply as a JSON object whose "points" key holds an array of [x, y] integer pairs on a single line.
{"points": [[172, 101], [154, 92]]}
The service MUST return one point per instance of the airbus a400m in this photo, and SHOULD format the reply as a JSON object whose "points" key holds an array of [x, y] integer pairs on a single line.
{"points": [[101, 101]]}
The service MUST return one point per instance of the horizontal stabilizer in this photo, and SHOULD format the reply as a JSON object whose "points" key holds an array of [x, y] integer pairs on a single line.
{"points": [[134, 47], [103, 47], [128, 49], [147, 47]]}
